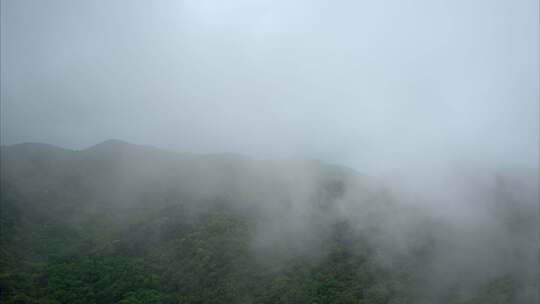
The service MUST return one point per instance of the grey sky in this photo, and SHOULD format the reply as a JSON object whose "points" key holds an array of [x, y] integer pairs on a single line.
{"points": [[370, 84]]}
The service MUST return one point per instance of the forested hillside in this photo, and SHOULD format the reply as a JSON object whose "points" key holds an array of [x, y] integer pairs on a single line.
{"points": [[122, 223]]}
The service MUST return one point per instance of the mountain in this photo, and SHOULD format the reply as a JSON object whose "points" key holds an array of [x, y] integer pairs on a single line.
{"points": [[125, 223]]}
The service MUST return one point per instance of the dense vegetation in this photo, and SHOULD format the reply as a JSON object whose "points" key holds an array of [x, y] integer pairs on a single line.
{"points": [[129, 224]]}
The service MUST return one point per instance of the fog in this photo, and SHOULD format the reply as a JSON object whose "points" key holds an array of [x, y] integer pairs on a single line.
{"points": [[416, 122], [374, 85]]}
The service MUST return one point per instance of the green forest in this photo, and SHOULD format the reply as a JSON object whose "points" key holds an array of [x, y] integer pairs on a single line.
{"points": [[127, 224]]}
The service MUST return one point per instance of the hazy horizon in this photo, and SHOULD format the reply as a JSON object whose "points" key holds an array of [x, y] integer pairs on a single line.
{"points": [[376, 86]]}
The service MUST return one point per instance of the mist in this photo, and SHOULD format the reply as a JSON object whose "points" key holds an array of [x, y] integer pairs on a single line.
{"points": [[409, 129], [371, 85]]}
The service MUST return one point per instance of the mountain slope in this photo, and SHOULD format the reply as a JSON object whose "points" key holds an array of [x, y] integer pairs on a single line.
{"points": [[123, 223]]}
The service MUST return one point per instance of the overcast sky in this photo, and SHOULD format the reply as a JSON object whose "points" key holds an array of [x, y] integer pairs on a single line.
{"points": [[370, 84]]}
